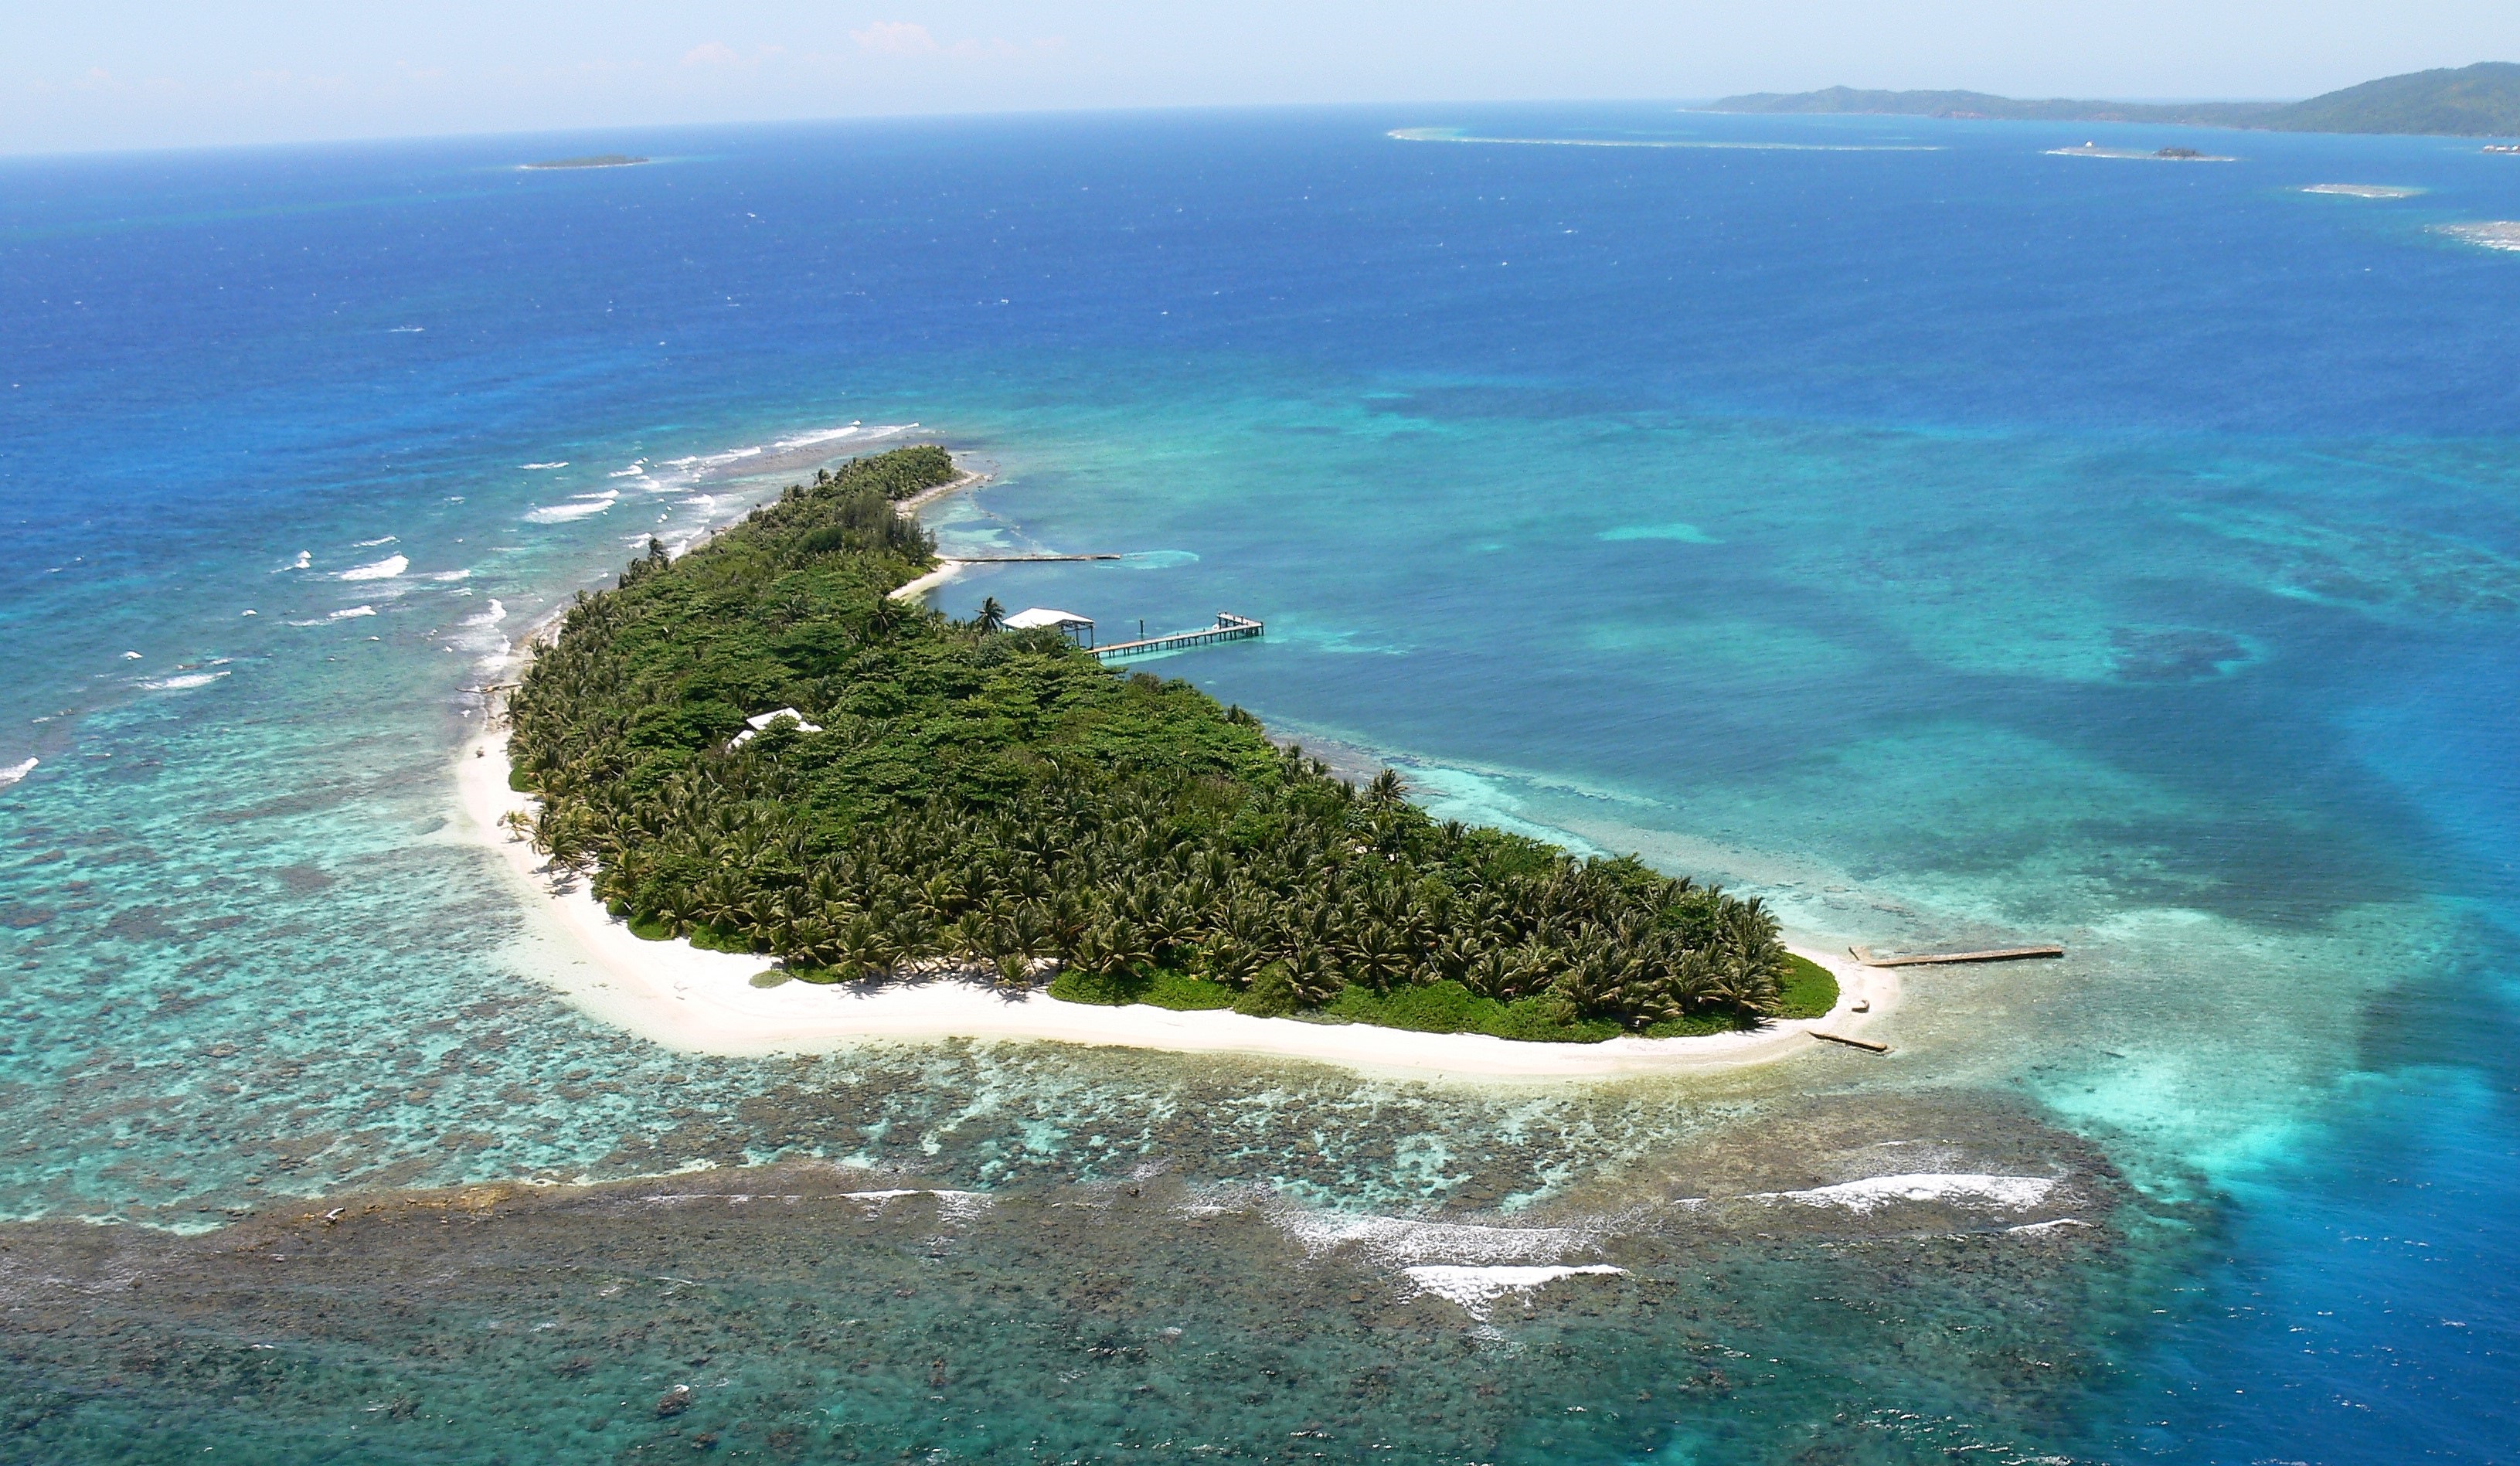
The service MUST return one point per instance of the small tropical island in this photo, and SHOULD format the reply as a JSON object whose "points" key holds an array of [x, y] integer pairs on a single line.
{"points": [[592, 160], [759, 748]]}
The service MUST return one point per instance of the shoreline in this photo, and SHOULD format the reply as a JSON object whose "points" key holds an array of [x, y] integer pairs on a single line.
{"points": [[698, 1001], [946, 569], [683, 997]]}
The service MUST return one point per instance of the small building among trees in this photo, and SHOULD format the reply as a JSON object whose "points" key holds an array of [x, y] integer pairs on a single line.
{"points": [[1076, 628]]}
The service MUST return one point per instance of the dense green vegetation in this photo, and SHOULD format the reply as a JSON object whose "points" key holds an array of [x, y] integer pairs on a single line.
{"points": [[1001, 800], [2478, 101], [1809, 989]]}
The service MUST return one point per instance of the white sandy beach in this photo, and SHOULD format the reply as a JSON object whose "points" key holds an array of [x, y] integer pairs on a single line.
{"points": [[946, 569], [705, 1002]]}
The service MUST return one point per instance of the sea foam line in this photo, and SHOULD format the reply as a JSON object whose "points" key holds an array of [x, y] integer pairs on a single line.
{"points": [[184, 682], [1406, 1242], [1477, 1289], [16, 772], [2013, 1192], [562, 513], [384, 569]]}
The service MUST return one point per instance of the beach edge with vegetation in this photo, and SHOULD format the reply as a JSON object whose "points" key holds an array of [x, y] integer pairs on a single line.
{"points": [[1151, 851]]}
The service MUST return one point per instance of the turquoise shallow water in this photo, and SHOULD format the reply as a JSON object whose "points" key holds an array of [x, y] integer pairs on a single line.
{"points": [[1947, 544]]}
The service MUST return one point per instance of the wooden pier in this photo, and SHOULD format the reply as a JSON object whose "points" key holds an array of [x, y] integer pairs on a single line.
{"points": [[1016, 560], [1229, 627], [1867, 1044], [1865, 954]]}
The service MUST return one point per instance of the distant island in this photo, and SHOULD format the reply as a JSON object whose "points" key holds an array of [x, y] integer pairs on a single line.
{"points": [[2478, 101], [2157, 154], [920, 797], [591, 161]]}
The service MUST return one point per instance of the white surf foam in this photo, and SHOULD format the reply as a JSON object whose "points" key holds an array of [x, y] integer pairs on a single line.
{"points": [[384, 569], [16, 772], [2042, 1229], [349, 611], [305, 558], [1477, 1289], [450, 576], [372, 544], [817, 436], [580, 508], [2012, 1192], [1401, 1241], [957, 1206], [183, 682], [491, 617], [562, 463]]}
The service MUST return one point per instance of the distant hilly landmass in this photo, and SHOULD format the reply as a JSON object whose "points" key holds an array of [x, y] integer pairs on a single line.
{"points": [[2478, 101]]}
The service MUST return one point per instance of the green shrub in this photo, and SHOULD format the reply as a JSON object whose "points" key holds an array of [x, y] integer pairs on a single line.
{"points": [[1448, 1007], [1809, 989]]}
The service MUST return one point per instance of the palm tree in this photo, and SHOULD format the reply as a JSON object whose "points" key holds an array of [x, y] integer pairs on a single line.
{"points": [[992, 617], [1379, 955], [863, 949]]}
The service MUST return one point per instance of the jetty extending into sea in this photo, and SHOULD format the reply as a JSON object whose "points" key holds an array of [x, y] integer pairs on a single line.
{"points": [[1229, 627], [1869, 958]]}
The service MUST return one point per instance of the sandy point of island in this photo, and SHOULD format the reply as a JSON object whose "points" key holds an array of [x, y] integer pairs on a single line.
{"points": [[699, 1002]]}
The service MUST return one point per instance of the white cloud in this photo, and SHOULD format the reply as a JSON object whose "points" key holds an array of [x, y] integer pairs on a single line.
{"points": [[710, 54], [896, 38]]}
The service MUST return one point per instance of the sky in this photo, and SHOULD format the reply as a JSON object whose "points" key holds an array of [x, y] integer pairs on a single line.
{"points": [[146, 73]]}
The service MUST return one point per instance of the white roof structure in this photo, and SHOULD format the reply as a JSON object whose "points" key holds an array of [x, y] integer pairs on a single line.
{"points": [[1042, 615], [765, 720]]}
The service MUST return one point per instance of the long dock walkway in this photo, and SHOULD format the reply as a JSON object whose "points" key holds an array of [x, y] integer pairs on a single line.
{"points": [[1229, 627], [1865, 955], [1017, 559]]}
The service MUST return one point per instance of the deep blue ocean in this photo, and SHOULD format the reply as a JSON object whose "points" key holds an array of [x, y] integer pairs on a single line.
{"points": [[1940, 537]]}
